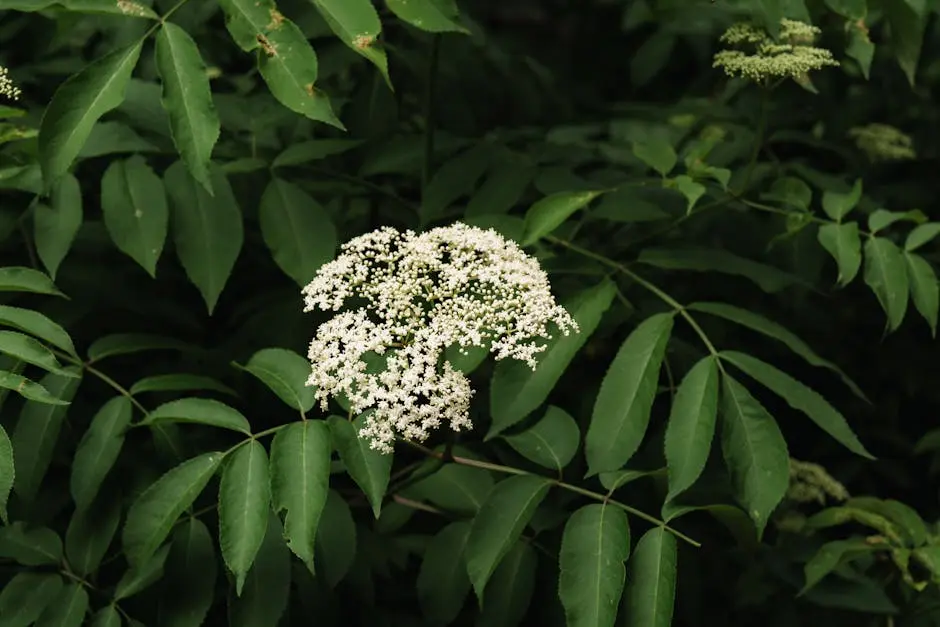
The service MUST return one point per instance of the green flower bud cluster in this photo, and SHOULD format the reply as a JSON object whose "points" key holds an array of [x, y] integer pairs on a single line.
{"points": [[883, 143], [812, 483], [7, 87]]}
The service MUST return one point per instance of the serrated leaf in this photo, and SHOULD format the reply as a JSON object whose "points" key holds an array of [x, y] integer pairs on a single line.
{"points": [[207, 230], [499, 523], [15, 279], [594, 547], [191, 570], [757, 322], [300, 482], [442, 582], [187, 99], [886, 275], [244, 503], [551, 442], [99, 449], [335, 546], [550, 212], [369, 468], [843, 243], [651, 589], [285, 373], [516, 391], [89, 535], [657, 154], [31, 351], [768, 278], [140, 577], [77, 105], [40, 546], [267, 586], [7, 473], [130, 343], [829, 556], [920, 235], [55, 225], [26, 595], [924, 290], [838, 205], [37, 324], [622, 409], [67, 610], [755, 452], [29, 390], [134, 207], [509, 591], [179, 382], [691, 426], [313, 150], [37, 431], [433, 16], [202, 411], [155, 511], [357, 25], [296, 229], [456, 488]]}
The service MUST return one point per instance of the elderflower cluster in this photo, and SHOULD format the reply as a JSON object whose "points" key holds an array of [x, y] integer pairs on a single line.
{"points": [[7, 87], [416, 295], [812, 483], [790, 56], [883, 143]]}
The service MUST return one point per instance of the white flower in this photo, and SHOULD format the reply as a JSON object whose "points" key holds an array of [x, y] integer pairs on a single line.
{"points": [[7, 87], [791, 55], [416, 296]]}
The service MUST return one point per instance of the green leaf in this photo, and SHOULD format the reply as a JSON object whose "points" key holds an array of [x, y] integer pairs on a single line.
{"points": [[830, 556], [207, 230], [203, 411], [454, 178], [300, 481], [455, 488], [285, 373], [516, 390], [768, 278], [287, 62], [860, 48], [37, 432], [622, 409], [657, 154], [138, 578], [133, 204], [757, 322], [13, 279], [26, 595], [67, 610], [370, 469], [691, 426], [37, 324], [297, 229], [886, 275], [244, 503], [852, 9], [155, 511], [191, 570], [187, 98], [910, 525], [442, 580], [799, 397], [551, 442], [99, 449], [907, 35], [499, 523], [550, 212], [651, 591], [503, 187], [594, 547], [179, 382], [313, 150], [130, 343], [691, 190], [7, 473], [755, 452], [107, 617], [55, 226], [838, 205], [882, 218], [30, 547], [433, 16], [335, 546], [89, 535], [29, 390], [509, 592], [31, 351], [843, 243], [920, 235], [267, 586], [357, 25], [924, 290]]}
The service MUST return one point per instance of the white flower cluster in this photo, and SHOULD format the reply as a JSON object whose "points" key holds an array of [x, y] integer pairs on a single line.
{"points": [[790, 56], [416, 295], [7, 87]]}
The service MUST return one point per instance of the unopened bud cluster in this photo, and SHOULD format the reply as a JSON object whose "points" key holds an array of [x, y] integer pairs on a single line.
{"points": [[812, 483], [7, 87], [413, 296], [791, 55], [883, 143]]}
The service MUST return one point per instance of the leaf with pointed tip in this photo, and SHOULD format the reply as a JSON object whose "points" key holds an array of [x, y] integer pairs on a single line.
{"points": [[187, 98], [920, 235], [622, 409], [30, 390], [26, 595], [691, 426], [455, 488], [158, 507], [335, 545], [56, 225], [191, 569], [31, 351], [828, 557], [134, 207], [594, 547], [99, 449], [138, 578], [924, 290], [7, 473], [886, 275], [509, 591], [768, 278], [442, 582], [203, 411], [658, 154], [285, 373], [551, 442], [67, 610], [39, 325], [15, 279], [550, 212], [107, 617], [369, 468], [89, 535], [357, 25], [838, 205], [433, 16], [267, 586], [130, 343], [499, 523], [180, 382], [755, 452], [651, 591], [244, 504], [77, 104], [39, 546]]}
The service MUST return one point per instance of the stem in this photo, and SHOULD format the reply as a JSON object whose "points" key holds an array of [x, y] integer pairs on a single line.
{"points": [[429, 101], [120, 389]]}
